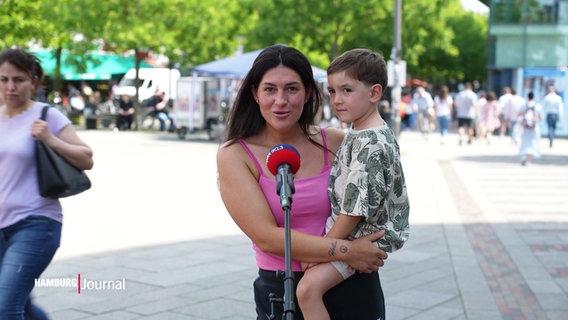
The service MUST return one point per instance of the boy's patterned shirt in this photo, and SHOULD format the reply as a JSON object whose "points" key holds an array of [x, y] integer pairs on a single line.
{"points": [[367, 180]]}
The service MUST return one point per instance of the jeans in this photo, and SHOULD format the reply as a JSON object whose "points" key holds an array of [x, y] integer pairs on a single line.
{"points": [[551, 120], [26, 249], [162, 117], [513, 124], [444, 123]]}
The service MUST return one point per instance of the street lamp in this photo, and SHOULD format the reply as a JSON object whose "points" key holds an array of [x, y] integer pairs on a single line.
{"points": [[397, 73]]}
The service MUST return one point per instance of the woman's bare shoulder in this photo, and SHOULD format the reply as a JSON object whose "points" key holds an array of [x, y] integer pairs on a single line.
{"points": [[229, 149], [234, 160], [334, 137]]}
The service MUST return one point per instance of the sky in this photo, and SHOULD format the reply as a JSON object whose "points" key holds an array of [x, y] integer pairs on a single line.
{"points": [[475, 6]]}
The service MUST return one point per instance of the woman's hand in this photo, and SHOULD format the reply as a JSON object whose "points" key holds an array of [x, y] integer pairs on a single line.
{"points": [[40, 131], [67, 144], [364, 256]]}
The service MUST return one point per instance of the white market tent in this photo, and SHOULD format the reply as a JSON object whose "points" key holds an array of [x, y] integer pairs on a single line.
{"points": [[238, 66]]}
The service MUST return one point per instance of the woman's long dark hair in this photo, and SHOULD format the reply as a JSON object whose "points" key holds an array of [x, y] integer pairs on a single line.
{"points": [[245, 119]]}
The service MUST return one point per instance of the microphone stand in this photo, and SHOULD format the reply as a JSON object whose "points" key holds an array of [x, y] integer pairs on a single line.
{"points": [[285, 189]]}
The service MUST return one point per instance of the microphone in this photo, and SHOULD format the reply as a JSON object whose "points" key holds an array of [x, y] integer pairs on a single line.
{"points": [[283, 161]]}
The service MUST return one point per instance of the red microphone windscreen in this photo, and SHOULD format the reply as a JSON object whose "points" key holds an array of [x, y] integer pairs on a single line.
{"points": [[280, 154]]}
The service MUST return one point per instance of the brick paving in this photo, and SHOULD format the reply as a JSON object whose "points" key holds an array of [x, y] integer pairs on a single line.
{"points": [[514, 298], [488, 239]]}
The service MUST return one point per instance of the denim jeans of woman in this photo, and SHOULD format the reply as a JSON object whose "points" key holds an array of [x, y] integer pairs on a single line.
{"points": [[26, 249], [444, 124]]}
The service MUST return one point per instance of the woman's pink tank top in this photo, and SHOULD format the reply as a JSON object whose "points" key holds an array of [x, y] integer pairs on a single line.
{"points": [[310, 208]]}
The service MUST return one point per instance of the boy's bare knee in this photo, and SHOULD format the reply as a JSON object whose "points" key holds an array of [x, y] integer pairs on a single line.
{"points": [[302, 291]]}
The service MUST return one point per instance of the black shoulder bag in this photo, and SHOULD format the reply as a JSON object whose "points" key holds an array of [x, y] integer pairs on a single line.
{"points": [[56, 176]]}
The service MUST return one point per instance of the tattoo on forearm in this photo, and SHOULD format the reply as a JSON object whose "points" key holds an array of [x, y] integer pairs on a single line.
{"points": [[342, 249], [331, 251]]}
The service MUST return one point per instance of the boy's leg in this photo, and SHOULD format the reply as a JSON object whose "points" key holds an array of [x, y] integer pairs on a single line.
{"points": [[316, 281]]}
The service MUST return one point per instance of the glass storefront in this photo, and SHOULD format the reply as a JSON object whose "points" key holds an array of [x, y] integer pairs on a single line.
{"points": [[537, 11]]}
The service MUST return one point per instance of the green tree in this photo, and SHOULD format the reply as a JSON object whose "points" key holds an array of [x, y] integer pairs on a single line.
{"points": [[440, 41], [142, 27], [321, 29], [207, 30], [16, 26], [62, 29], [425, 37], [471, 40], [324, 29]]}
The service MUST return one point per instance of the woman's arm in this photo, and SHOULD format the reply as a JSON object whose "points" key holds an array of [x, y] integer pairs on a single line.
{"points": [[245, 202], [67, 144]]}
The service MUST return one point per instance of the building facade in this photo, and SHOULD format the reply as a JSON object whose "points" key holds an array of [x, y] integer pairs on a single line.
{"points": [[528, 49]]}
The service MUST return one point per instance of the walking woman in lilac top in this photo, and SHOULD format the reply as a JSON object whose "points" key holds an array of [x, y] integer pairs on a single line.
{"points": [[30, 225], [276, 104]]}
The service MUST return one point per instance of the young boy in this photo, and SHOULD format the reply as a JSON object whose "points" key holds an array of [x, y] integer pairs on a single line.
{"points": [[366, 187]]}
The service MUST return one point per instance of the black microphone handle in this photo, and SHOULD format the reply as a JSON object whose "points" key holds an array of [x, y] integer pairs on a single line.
{"points": [[285, 185]]}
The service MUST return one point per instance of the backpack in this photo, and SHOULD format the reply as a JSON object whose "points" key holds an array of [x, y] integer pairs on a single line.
{"points": [[529, 118]]}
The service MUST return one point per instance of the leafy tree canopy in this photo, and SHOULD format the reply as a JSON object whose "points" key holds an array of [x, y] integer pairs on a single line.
{"points": [[440, 42]]}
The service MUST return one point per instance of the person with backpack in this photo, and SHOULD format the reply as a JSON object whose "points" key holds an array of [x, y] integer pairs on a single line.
{"points": [[531, 114]]}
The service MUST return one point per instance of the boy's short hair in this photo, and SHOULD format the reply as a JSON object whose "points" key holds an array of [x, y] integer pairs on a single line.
{"points": [[363, 65]]}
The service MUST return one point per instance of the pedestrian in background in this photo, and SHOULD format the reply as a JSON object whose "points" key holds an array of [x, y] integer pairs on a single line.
{"points": [[408, 115], [423, 104], [159, 110], [503, 106], [489, 116], [516, 103], [126, 110], [276, 104], [90, 111], [76, 101], [466, 107], [530, 117], [443, 104], [553, 108], [30, 225]]}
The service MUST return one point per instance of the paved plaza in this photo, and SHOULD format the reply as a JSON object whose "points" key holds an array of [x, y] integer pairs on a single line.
{"points": [[152, 239]]}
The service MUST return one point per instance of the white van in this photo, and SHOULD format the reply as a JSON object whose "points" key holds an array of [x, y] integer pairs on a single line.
{"points": [[150, 79]]}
